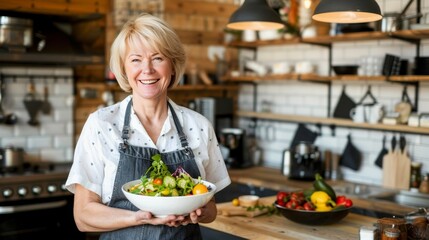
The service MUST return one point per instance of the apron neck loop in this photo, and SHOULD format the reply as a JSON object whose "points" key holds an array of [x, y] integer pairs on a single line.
{"points": [[182, 136], [126, 129]]}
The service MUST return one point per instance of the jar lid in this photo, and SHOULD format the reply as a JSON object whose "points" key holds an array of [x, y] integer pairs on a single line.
{"points": [[416, 164], [392, 232]]}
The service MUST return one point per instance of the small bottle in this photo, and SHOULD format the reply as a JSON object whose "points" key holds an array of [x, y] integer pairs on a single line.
{"points": [[424, 185], [415, 177]]}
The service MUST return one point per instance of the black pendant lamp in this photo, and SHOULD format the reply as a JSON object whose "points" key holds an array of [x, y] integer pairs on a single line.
{"points": [[255, 15], [347, 11]]}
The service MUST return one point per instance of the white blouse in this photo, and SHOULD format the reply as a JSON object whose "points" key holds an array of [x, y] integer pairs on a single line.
{"points": [[96, 155]]}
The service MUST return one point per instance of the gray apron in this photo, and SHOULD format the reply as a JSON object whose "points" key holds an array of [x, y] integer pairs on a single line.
{"points": [[133, 163]]}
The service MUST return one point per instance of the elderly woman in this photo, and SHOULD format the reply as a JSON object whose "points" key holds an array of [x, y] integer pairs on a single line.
{"points": [[117, 142]]}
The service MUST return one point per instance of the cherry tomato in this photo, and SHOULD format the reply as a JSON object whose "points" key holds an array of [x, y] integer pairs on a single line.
{"points": [[157, 181], [281, 197], [281, 203], [308, 206], [292, 204], [299, 208]]}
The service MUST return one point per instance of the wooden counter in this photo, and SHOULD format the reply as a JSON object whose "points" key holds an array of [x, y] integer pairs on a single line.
{"points": [[273, 179], [278, 227]]}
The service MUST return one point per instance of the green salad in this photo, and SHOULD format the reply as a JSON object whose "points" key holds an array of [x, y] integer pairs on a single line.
{"points": [[158, 181]]}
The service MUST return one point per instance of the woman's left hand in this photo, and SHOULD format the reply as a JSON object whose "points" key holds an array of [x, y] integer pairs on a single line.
{"points": [[205, 214]]}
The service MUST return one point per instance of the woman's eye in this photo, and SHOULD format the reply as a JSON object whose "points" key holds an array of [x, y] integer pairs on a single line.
{"points": [[135, 60], [157, 59]]}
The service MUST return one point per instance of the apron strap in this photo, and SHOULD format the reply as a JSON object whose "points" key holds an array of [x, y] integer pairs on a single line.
{"points": [[182, 136], [126, 129]]}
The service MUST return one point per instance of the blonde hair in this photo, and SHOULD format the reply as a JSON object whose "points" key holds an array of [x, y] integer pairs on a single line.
{"points": [[158, 35]]}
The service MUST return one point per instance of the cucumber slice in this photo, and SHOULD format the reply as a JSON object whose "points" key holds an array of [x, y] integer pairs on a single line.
{"points": [[169, 182]]}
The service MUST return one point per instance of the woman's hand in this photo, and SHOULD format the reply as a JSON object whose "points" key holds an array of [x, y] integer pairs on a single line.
{"points": [[147, 218], [205, 214]]}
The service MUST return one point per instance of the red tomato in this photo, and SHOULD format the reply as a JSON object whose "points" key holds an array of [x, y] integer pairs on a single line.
{"points": [[281, 203], [308, 206], [292, 204], [281, 197], [157, 181], [299, 208]]}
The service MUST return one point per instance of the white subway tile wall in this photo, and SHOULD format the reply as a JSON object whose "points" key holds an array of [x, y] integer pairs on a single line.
{"points": [[52, 140], [310, 99]]}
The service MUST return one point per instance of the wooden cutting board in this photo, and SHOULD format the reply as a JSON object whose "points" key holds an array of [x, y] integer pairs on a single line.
{"points": [[402, 178], [231, 210], [389, 168]]}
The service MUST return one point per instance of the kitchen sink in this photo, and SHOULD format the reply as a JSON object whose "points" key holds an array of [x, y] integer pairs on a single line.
{"points": [[406, 198], [361, 190], [234, 190]]}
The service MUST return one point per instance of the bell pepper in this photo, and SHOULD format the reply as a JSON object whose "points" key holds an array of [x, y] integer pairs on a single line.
{"points": [[323, 208], [322, 201], [343, 200]]}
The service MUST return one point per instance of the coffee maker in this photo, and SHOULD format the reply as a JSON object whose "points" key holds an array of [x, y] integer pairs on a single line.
{"points": [[305, 161], [219, 111], [233, 146]]}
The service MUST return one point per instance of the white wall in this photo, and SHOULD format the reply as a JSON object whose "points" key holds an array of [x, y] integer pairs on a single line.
{"points": [[52, 140], [303, 98]]}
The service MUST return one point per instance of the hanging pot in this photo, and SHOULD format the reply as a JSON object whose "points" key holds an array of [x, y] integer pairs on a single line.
{"points": [[11, 159]]}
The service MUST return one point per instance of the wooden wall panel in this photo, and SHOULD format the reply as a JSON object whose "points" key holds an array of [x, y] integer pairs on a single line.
{"points": [[57, 7], [200, 24], [203, 8]]}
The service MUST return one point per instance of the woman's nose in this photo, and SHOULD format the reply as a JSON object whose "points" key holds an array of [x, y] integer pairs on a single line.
{"points": [[147, 67]]}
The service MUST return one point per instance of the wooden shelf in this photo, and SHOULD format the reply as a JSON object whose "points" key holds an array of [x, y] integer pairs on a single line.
{"points": [[333, 121], [260, 43], [318, 78], [347, 37], [412, 34]]}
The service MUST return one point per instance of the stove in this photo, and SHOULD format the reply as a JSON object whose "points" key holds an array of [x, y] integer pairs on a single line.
{"points": [[34, 204], [34, 183]]}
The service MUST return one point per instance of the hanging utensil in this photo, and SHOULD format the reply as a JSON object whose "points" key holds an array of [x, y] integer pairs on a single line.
{"points": [[46, 107], [33, 104], [404, 108], [383, 152]]}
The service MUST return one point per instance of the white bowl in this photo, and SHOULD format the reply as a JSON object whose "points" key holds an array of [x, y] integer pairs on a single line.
{"points": [[164, 206]]}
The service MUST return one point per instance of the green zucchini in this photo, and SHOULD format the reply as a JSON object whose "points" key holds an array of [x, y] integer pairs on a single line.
{"points": [[320, 185]]}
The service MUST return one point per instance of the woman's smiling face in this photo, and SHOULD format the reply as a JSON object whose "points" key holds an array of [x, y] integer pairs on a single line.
{"points": [[148, 71]]}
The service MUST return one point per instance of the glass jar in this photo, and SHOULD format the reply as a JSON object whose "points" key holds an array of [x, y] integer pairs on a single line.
{"points": [[399, 224], [415, 177]]}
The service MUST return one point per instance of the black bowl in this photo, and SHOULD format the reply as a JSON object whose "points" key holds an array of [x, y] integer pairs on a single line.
{"points": [[346, 69], [313, 217]]}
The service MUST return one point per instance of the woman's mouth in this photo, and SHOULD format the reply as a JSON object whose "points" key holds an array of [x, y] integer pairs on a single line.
{"points": [[148, 81]]}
